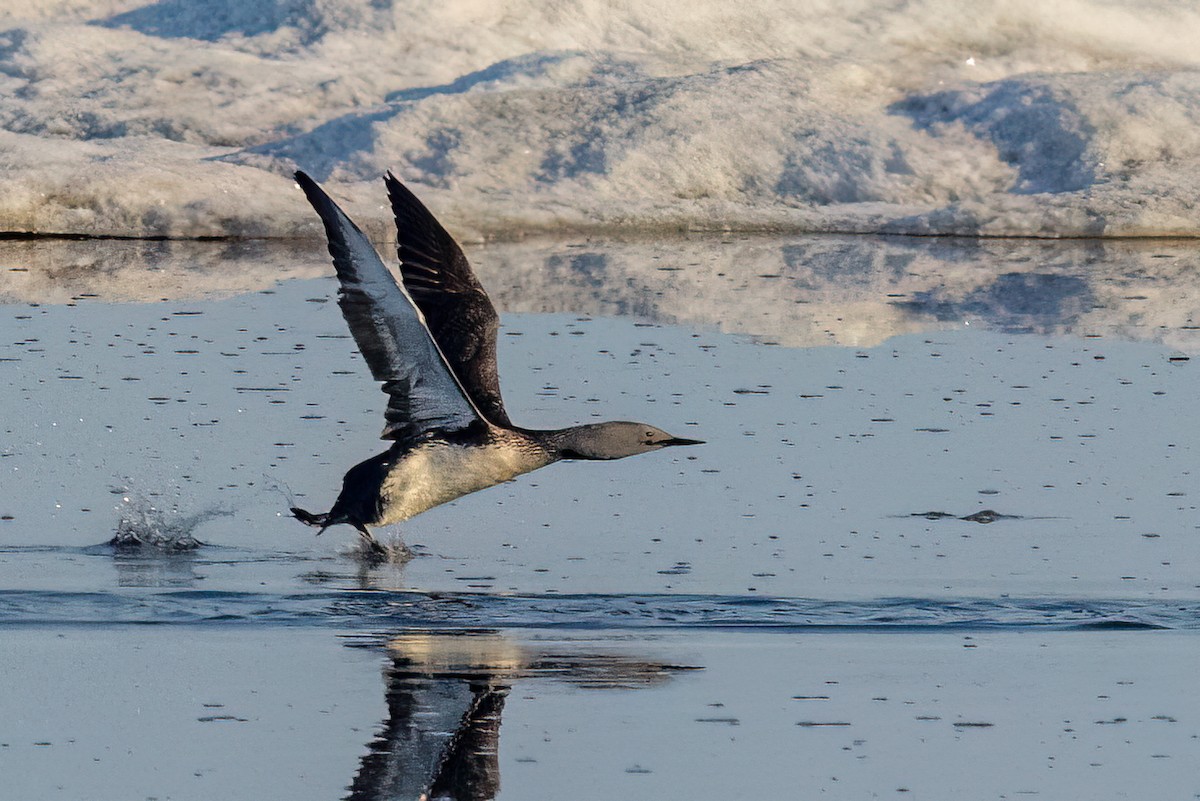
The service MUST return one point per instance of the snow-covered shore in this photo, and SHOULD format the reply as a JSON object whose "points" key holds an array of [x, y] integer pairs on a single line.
{"points": [[170, 118]]}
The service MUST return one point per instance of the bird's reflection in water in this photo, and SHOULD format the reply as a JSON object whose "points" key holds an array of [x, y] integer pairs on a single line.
{"points": [[445, 697]]}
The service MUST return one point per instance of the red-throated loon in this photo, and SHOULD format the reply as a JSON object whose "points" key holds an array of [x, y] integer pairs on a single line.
{"points": [[431, 339]]}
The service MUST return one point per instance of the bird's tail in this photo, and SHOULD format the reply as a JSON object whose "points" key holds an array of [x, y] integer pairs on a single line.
{"points": [[321, 521]]}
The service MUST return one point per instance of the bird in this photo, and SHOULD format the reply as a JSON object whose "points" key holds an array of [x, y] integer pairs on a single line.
{"points": [[430, 337]]}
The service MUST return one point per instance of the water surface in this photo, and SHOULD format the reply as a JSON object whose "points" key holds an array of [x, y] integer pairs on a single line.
{"points": [[946, 498]]}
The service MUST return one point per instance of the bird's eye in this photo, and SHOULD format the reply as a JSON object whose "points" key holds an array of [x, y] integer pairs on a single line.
{"points": [[649, 435]]}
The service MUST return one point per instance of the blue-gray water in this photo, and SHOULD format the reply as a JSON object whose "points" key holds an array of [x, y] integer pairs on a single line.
{"points": [[944, 516], [373, 610]]}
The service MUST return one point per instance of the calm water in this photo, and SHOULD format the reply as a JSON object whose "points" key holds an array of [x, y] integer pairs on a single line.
{"points": [[945, 516]]}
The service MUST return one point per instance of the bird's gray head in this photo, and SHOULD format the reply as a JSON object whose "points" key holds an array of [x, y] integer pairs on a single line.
{"points": [[615, 440]]}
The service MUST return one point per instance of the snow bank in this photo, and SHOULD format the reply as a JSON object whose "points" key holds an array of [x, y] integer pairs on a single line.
{"points": [[174, 118]]}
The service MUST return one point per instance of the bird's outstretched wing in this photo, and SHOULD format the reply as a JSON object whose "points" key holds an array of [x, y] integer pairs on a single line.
{"points": [[391, 332], [459, 314]]}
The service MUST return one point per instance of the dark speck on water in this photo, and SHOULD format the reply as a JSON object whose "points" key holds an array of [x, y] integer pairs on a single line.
{"points": [[982, 516], [214, 718]]}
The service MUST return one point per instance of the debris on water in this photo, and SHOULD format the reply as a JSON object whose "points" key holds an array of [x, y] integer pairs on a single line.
{"points": [[215, 718], [933, 515], [982, 516], [986, 516]]}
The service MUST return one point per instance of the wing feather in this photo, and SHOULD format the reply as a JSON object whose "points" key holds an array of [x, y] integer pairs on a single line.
{"points": [[461, 318], [423, 393]]}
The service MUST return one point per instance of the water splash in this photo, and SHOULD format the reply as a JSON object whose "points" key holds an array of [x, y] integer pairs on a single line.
{"points": [[142, 526]]}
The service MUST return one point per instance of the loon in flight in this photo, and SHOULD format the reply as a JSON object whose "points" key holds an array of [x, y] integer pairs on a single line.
{"points": [[430, 337]]}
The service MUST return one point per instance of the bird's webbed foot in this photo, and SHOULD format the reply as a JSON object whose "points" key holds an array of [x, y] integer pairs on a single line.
{"points": [[370, 548], [375, 552]]}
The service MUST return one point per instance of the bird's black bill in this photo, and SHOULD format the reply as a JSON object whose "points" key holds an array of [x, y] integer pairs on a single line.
{"points": [[681, 441]]}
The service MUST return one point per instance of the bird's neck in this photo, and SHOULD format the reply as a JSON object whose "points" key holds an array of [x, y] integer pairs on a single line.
{"points": [[576, 442]]}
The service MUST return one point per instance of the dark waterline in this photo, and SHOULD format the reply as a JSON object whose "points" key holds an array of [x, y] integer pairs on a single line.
{"points": [[395, 610]]}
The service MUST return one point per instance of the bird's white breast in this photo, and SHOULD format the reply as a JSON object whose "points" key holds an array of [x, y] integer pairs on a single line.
{"points": [[438, 472]]}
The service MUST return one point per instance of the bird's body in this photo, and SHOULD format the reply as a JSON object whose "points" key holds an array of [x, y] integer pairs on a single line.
{"points": [[430, 337], [440, 470]]}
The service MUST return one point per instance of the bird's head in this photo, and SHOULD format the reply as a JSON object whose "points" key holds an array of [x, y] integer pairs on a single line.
{"points": [[616, 440]]}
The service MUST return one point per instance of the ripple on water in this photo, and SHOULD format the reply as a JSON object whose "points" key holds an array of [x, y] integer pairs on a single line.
{"points": [[390, 610]]}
